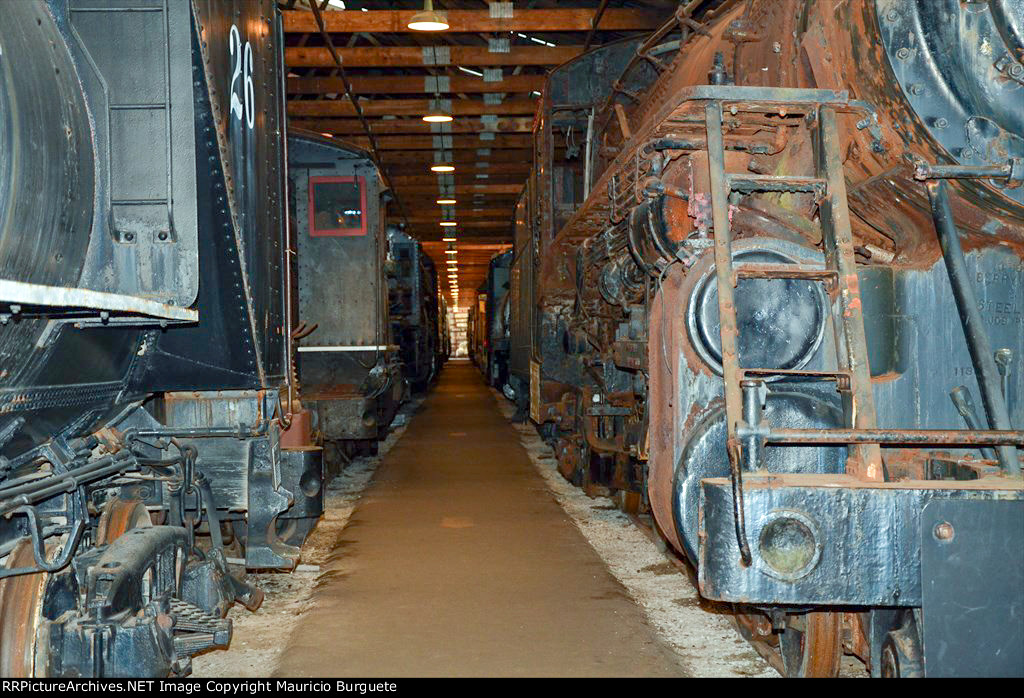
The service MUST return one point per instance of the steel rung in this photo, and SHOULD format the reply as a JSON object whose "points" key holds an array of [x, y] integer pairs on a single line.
{"points": [[798, 373], [747, 183], [783, 271]]}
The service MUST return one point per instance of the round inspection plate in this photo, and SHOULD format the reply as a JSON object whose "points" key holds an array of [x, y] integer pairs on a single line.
{"points": [[780, 322]]}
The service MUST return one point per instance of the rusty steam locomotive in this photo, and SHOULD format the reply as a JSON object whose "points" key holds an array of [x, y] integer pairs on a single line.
{"points": [[768, 286]]}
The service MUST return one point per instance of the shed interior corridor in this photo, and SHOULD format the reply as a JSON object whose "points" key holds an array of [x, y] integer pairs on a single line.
{"points": [[458, 561]]}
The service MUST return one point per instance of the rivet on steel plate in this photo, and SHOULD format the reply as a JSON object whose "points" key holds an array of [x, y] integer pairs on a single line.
{"points": [[944, 531]]}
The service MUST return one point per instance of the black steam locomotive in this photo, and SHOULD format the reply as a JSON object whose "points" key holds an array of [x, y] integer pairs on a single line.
{"points": [[417, 310], [348, 365], [489, 320], [776, 301], [149, 412]]}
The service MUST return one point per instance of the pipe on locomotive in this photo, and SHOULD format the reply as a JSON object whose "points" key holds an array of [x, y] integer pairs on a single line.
{"points": [[989, 380]]}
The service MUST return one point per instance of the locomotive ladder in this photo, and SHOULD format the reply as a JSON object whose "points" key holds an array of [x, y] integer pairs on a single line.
{"points": [[746, 433]]}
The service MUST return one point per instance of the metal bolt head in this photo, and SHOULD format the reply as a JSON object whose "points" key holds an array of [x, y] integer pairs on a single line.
{"points": [[892, 15], [903, 53], [944, 531], [776, 47], [917, 88], [941, 123]]}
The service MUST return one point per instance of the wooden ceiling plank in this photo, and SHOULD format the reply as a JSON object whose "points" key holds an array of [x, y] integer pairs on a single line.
{"points": [[405, 107], [474, 21], [464, 189], [416, 56], [458, 142], [417, 127], [416, 84], [494, 168], [464, 158]]}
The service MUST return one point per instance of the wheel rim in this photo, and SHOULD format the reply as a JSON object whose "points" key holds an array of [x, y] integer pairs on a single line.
{"points": [[21, 607], [809, 647], [814, 650], [120, 516]]}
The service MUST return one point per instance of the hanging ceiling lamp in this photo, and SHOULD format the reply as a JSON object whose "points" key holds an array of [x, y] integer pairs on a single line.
{"points": [[428, 20]]}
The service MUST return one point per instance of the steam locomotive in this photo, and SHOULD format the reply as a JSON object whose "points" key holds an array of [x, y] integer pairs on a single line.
{"points": [[489, 322], [417, 311], [150, 419], [768, 287], [348, 366]]}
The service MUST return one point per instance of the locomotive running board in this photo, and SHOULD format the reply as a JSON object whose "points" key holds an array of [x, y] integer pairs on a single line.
{"points": [[80, 305]]}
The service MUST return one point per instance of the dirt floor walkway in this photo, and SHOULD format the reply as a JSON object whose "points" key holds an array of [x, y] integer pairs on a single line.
{"points": [[458, 561]]}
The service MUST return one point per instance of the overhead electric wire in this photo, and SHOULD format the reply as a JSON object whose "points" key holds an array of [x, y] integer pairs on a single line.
{"points": [[374, 154]]}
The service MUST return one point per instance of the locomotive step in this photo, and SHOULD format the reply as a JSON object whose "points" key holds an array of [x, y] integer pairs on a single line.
{"points": [[196, 630]]}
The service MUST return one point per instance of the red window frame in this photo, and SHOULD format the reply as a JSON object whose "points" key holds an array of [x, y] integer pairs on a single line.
{"points": [[315, 232]]}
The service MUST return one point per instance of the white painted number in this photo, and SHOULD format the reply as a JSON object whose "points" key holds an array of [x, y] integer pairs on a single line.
{"points": [[242, 62], [250, 97]]}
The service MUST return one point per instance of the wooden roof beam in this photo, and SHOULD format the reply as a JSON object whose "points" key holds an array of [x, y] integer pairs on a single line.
{"points": [[430, 178], [405, 107], [474, 21], [467, 189], [495, 168], [395, 127], [464, 158], [428, 56], [416, 84], [458, 142], [491, 216], [467, 240], [503, 224]]}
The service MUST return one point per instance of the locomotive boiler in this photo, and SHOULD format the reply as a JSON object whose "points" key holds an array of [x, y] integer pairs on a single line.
{"points": [[348, 366], [145, 409], [776, 301]]}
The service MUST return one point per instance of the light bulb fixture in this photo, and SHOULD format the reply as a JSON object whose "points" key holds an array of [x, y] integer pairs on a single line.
{"points": [[446, 202], [448, 224], [437, 118], [451, 252], [428, 20], [447, 239], [442, 168]]}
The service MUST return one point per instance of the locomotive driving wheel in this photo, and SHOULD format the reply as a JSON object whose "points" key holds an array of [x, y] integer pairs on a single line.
{"points": [[120, 516], [21, 611], [809, 646]]}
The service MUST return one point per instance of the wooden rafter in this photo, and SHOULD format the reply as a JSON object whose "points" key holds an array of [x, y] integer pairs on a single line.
{"points": [[395, 127], [405, 107], [416, 57], [417, 84], [474, 21], [458, 142]]}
